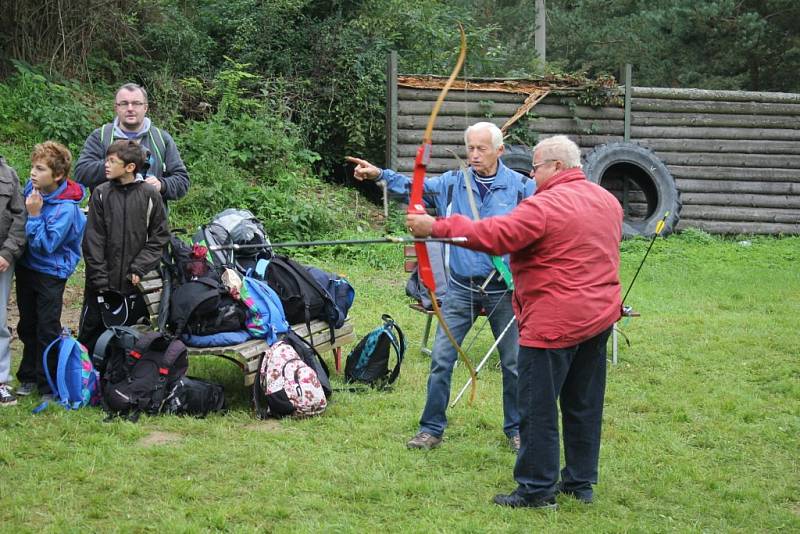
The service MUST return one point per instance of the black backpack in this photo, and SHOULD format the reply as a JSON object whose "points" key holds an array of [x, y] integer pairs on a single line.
{"points": [[368, 363], [302, 297], [195, 397], [202, 307], [112, 347], [141, 381]]}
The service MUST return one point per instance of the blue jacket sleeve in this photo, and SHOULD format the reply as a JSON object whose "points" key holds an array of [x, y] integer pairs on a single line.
{"points": [[401, 185], [46, 232]]}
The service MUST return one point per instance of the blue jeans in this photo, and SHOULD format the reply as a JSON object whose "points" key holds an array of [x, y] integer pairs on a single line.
{"points": [[576, 378], [460, 309]]}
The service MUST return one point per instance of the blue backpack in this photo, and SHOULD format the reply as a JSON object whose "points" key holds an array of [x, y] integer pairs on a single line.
{"points": [[77, 382], [368, 363], [265, 315]]}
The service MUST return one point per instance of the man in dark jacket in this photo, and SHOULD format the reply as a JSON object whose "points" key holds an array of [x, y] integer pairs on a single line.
{"points": [[12, 245], [165, 169], [126, 230], [564, 246]]}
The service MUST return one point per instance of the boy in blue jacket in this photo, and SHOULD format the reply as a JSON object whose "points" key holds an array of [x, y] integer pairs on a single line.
{"points": [[54, 231]]}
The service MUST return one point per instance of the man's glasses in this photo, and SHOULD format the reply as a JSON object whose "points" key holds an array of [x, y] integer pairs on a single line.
{"points": [[125, 104], [537, 165]]}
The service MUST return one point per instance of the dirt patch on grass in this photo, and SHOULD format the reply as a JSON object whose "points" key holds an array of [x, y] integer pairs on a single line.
{"points": [[159, 438], [267, 425]]}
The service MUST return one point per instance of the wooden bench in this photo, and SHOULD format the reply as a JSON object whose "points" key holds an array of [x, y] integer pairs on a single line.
{"points": [[246, 355]]}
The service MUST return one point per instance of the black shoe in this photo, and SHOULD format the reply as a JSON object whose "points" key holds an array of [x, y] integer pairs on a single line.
{"points": [[585, 496], [516, 500]]}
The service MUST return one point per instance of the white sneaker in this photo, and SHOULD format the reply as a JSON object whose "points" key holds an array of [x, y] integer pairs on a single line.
{"points": [[6, 397]]}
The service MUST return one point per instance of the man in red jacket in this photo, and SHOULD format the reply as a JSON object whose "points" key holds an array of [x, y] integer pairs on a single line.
{"points": [[564, 246]]}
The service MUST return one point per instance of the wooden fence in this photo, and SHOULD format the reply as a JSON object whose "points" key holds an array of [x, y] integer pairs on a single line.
{"points": [[735, 155]]}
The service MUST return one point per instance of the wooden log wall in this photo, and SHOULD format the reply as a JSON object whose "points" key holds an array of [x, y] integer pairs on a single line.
{"points": [[735, 155]]}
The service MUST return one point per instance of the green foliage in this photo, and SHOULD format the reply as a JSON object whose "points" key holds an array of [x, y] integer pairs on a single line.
{"points": [[34, 108]]}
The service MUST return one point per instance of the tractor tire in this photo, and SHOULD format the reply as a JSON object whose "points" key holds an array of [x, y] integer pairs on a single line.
{"points": [[642, 184]]}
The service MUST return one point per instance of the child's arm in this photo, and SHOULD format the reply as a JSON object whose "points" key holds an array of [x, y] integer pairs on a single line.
{"points": [[94, 246], [47, 233], [12, 247], [157, 237]]}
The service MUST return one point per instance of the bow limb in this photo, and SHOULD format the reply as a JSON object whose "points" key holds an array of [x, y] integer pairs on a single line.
{"points": [[415, 206]]}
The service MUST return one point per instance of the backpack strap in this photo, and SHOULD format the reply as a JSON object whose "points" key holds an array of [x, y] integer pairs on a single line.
{"points": [[399, 344], [46, 367], [160, 149], [106, 135]]}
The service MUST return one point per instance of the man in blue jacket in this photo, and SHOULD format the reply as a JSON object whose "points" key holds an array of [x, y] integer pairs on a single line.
{"points": [[496, 190], [166, 171]]}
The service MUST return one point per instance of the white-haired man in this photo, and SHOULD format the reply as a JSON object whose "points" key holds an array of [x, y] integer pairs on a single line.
{"points": [[564, 246], [496, 190]]}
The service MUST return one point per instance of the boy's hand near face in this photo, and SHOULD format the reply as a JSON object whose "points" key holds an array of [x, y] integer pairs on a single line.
{"points": [[34, 203]]}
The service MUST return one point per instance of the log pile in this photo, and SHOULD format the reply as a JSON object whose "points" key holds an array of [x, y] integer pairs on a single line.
{"points": [[735, 155]]}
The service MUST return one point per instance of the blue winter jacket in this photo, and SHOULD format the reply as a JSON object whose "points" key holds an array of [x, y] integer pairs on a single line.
{"points": [[448, 193], [54, 236]]}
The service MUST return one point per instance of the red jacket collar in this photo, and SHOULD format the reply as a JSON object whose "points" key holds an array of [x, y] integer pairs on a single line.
{"points": [[569, 175]]}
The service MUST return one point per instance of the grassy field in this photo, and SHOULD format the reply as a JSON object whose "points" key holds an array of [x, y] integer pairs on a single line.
{"points": [[701, 427]]}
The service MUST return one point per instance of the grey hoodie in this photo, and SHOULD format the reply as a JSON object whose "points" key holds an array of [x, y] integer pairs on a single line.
{"points": [[12, 214]]}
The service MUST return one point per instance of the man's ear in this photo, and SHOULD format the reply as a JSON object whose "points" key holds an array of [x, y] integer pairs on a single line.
{"points": [[60, 178], [501, 150], [130, 167]]}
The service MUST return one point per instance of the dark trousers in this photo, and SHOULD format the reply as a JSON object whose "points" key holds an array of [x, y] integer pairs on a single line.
{"points": [[40, 298], [575, 376]]}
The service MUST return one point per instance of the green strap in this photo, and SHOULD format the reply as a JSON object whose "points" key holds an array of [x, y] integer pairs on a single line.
{"points": [[497, 261]]}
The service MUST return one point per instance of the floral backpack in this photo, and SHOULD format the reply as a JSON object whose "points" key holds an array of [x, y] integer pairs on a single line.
{"points": [[286, 386]]}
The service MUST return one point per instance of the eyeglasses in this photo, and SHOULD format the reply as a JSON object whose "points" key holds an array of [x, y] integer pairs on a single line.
{"points": [[537, 165], [125, 104]]}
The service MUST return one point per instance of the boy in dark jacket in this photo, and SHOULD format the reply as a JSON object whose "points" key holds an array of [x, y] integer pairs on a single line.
{"points": [[12, 244], [54, 231], [125, 235]]}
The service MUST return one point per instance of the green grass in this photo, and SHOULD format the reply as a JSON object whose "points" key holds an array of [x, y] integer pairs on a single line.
{"points": [[700, 432]]}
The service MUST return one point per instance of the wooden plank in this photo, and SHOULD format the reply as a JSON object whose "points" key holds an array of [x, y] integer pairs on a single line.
{"points": [[152, 275], [405, 94], [735, 213], [739, 227], [148, 286], [743, 200], [737, 186], [742, 146], [721, 172], [688, 132], [714, 120], [715, 95], [693, 107], [474, 110], [759, 161]]}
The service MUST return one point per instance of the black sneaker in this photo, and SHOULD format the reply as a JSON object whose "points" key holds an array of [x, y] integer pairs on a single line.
{"points": [[586, 496], [6, 397], [515, 500], [25, 389]]}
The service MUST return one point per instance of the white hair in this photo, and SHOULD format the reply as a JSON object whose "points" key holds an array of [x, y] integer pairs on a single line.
{"points": [[561, 148], [497, 135]]}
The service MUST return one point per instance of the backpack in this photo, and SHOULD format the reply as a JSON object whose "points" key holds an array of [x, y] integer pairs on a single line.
{"points": [[368, 362], [112, 346], [265, 317], [312, 358], [77, 382], [302, 297], [338, 288], [195, 397], [202, 307], [286, 386], [145, 376], [234, 227]]}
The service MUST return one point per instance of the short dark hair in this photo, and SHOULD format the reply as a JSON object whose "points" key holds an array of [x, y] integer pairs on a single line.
{"points": [[128, 151], [55, 155], [132, 87]]}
